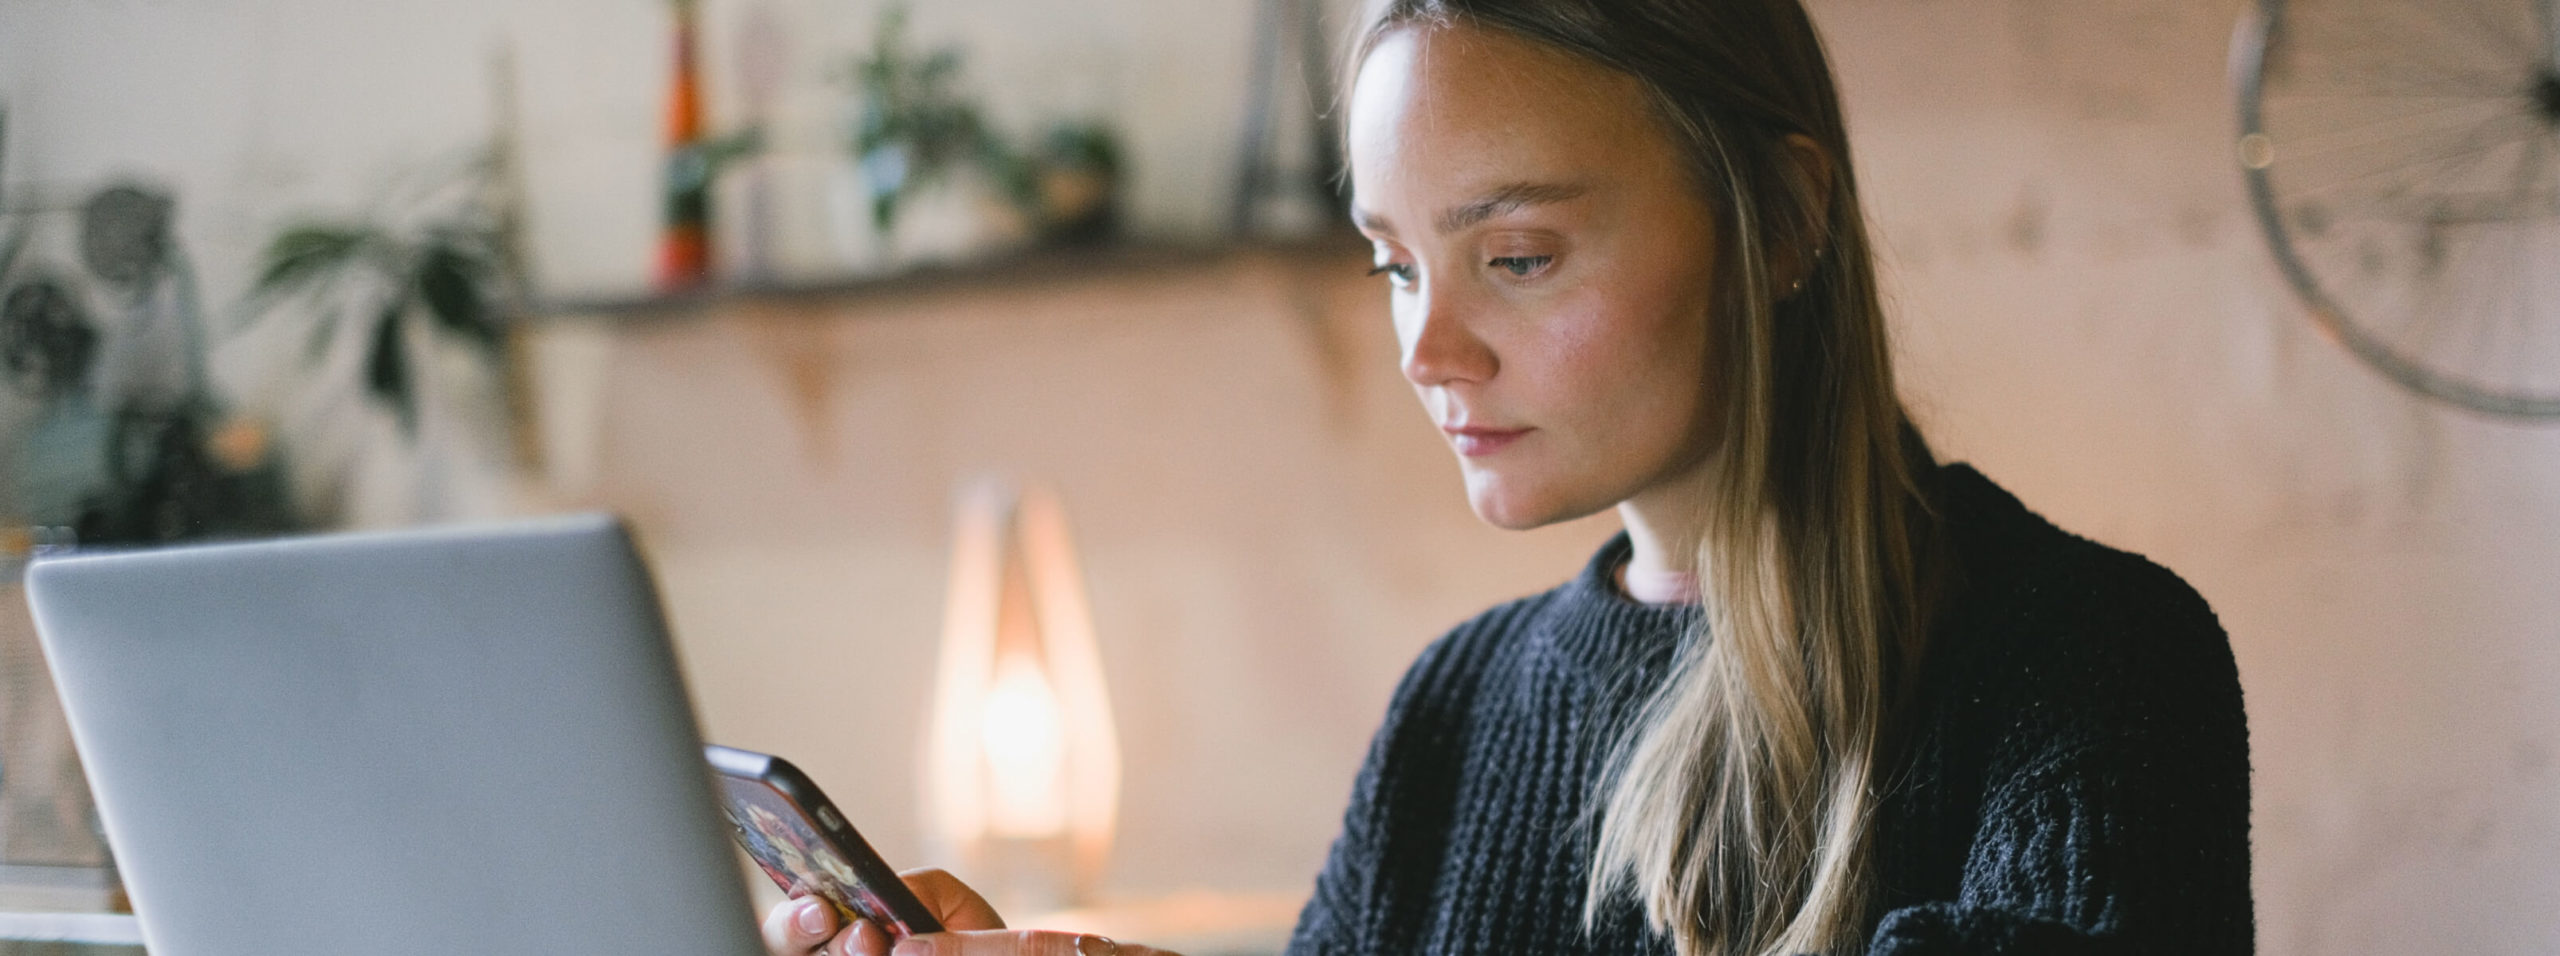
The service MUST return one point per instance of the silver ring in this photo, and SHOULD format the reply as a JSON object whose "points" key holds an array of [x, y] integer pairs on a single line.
{"points": [[1084, 946]]}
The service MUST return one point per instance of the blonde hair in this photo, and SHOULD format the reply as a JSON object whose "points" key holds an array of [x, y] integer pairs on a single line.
{"points": [[1740, 810]]}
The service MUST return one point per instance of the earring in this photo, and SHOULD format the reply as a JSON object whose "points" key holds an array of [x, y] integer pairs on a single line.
{"points": [[1818, 252]]}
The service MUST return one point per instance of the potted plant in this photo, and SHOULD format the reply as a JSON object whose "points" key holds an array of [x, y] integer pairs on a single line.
{"points": [[443, 275]]}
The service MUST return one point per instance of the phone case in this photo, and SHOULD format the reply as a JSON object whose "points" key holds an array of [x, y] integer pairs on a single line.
{"points": [[800, 840]]}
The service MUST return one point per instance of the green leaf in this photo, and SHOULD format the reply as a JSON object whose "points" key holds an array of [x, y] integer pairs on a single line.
{"points": [[386, 370], [323, 332], [739, 145], [454, 285], [304, 253]]}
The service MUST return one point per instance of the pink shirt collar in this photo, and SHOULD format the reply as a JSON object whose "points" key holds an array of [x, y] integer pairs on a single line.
{"points": [[1658, 587]]}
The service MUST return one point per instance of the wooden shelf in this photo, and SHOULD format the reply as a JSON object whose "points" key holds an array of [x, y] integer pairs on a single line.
{"points": [[1025, 268]]}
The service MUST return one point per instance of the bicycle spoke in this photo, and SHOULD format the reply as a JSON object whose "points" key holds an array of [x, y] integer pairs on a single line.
{"points": [[2474, 314], [2471, 146], [2535, 287], [2318, 135], [2412, 182], [2509, 41], [2415, 23], [2412, 148], [2547, 16], [2342, 192], [2529, 168], [2511, 318], [2286, 96]]}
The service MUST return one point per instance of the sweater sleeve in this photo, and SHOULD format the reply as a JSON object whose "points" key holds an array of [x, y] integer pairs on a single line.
{"points": [[1332, 917], [2115, 802], [1401, 780]]}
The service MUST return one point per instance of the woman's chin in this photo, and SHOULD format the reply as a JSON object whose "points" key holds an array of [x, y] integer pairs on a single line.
{"points": [[1508, 522], [1511, 508]]}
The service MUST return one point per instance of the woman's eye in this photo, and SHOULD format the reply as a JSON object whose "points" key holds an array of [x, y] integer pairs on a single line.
{"points": [[1399, 273], [1522, 266]]}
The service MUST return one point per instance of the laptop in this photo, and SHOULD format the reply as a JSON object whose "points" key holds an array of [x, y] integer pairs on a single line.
{"points": [[421, 743]]}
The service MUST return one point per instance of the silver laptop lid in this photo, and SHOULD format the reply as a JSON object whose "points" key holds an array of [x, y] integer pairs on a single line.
{"points": [[465, 740]]}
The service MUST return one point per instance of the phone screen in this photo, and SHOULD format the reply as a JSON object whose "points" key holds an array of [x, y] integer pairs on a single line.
{"points": [[798, 853]]}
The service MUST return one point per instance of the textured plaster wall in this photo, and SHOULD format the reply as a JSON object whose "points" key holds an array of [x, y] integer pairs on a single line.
{"points": [[2091, 315], [1269, 528]]}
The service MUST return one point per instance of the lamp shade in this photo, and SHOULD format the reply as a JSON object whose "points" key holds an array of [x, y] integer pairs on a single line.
{"points": [[1020, 747]]}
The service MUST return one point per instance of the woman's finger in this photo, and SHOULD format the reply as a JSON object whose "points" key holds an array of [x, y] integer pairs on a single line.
{"points": [[796, 927], [1017, 942], [951, 901], [863, 938]]}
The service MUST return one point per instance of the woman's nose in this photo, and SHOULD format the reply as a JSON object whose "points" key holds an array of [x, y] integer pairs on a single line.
{"points": [[1441, 348]]}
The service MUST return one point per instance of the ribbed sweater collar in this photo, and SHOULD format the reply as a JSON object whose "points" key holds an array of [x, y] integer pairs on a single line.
{"points": [[1602, 630]]}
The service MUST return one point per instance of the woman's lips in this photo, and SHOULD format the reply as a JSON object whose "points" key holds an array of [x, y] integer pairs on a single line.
{"points": [[1477, 442]]}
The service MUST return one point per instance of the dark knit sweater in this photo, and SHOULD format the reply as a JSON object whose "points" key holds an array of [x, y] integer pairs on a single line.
{"points": [[2077, 781]]}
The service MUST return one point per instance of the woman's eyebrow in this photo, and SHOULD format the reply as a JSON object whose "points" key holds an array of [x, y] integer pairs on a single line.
{"points": [[1496, 202], [1506, 199]]}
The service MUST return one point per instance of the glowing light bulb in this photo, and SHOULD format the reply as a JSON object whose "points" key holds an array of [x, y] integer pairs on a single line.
{"points": [[1025, 747]]}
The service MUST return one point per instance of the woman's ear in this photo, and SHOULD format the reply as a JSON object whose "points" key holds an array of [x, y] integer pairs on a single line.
{"points": [[1795, 251]]}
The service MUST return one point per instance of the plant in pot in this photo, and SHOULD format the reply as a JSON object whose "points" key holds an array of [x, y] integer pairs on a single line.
{"points": [[129, 443], [442, 277], [1071, 184], [918, 137], [394, 298]]}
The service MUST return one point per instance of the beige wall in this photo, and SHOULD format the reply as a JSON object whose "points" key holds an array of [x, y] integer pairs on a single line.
{"points": [[2091, 315], [1269, 527], [2086, 311]]}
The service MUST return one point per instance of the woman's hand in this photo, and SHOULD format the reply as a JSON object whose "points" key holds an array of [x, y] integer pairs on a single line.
{"points": [[806, 926]]}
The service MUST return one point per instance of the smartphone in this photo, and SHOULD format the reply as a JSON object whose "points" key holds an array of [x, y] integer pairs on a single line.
{"points": [[798, 838]]}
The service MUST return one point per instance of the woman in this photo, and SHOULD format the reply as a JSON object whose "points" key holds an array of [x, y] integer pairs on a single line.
{"points": [[1824, 695]]}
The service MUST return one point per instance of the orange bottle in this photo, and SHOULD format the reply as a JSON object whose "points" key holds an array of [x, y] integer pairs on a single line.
{"points": [[684, 248]]}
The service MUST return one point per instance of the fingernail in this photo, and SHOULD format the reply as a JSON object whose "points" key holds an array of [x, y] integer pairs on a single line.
{"points": [[812, 917], [913, 946]]}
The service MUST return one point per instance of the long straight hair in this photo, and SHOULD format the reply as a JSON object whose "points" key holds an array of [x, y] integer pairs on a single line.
{"points": [[1741, 805]]}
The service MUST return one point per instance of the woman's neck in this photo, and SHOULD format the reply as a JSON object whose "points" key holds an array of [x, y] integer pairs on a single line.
{"points": [[1657, 570]]}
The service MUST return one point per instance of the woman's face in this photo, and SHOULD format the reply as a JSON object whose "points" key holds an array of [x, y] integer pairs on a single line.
{"points": [[1548, 259]]}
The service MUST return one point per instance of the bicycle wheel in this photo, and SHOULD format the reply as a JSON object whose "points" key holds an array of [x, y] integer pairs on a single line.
{"points": [[2403, 159]]}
